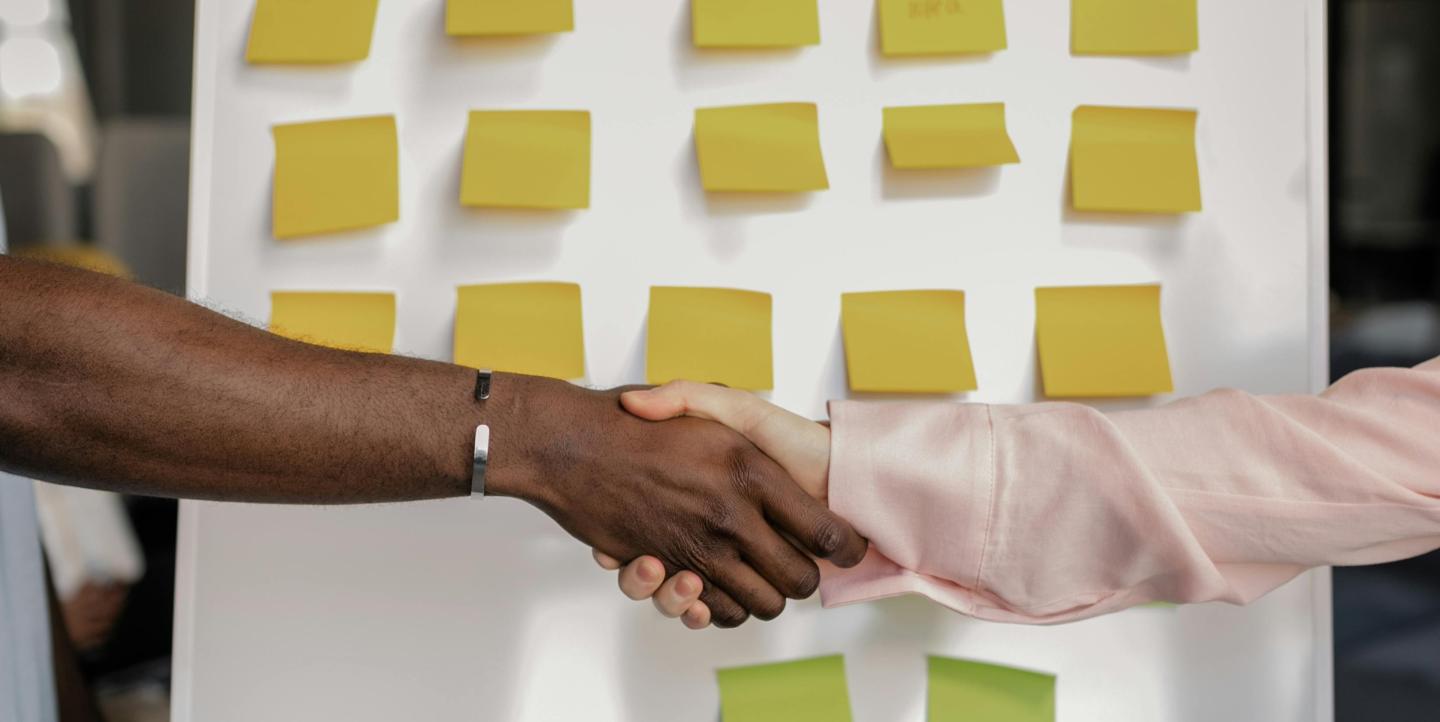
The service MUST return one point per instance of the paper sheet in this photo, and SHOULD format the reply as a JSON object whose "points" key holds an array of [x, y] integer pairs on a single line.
{"points": [[755, 23], [948, 136], [941, 27], [527, 159], [349, 321], [764, 148], [311, 32], [509, 17], [907, 342], [961, 691], [1102, 341], [523, 328], [712, 335], [1134, 27], [335, 175], [810, 690], [1134, 160]]}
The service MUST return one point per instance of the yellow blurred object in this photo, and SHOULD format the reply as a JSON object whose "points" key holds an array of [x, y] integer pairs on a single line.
{"points": [[907, 342], [764, 148], [948, 136], [941, 27], [1134, 27], [1135, 160], [349, 321], [90, 259], [336, 175], [1102, 341], [713, 335], [755, 23], [527, 159], [524, 328], [311, 31], [509, 17]]}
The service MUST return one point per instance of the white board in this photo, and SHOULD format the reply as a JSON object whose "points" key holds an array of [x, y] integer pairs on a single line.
{"points": [[460, 610]]}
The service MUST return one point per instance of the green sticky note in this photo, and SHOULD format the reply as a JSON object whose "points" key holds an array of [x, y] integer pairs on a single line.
{"points": [[963, 691], [810, 690]]}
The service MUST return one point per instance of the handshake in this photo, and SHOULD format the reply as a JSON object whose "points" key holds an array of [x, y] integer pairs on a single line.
{"points": [[714, 488]]}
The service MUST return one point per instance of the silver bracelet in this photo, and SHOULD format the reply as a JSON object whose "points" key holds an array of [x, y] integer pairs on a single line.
{"points": [[482, 440]]}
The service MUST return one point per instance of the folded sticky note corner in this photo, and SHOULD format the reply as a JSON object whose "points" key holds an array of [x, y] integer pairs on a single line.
{"points": [[526, 328], [310, 32], [907, 342], [807, 690], [760, 148], [508, 17], [349, 321], [335, 175], [1134, 27], [1102, 342], [527, 159], [755, 23], [712, 335], [1134, 160], [941, 27], [948, 136], [965, 691]]}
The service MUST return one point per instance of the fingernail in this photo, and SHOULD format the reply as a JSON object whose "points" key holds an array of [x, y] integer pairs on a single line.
{"points": [[685, 586], [649, 573]]}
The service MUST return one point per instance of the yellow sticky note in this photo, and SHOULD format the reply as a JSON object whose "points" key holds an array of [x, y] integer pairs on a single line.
{"points": [[527, 159], [941, 27], [1134, 160], [808, 690], [509, 17], [712, 335], [336, 175], [1102, 341], [350, 321], [310, 31], [961, 691], [523, 328], [907, 342], [1134, 27], [755, 23], [948, 136], [765, 148]]}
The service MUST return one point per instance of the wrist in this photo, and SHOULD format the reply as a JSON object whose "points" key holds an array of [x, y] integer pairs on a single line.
{"points": [[517, 413]]}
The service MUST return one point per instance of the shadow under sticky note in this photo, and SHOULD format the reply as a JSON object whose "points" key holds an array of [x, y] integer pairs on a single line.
{"points": [[310, 32], [755, 23], [711, 335], [527, 159], [509, 17], [760, 148], [1102, 342], [948, 136], [1134, 160], [336, 175], [349, 321], [961, 691], [941, 27], [810, 690], [1134, 27], [907, 342], [523, 328]]}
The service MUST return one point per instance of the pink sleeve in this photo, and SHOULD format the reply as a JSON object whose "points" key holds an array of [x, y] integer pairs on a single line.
{"points": [[1055, 512]]}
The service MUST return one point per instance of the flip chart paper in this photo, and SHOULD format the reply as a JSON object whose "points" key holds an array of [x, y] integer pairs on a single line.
{"points": [[1135, 160], [755, 23], [765, 148], [527, 159], [962, 691], [948, 136], [941, 27], [713, 335], [350, 321], [524, 328], [811, 690], [1102, 341], [336, 175], [907, 342], [310, 31], [1134, 27], [509, 17]]}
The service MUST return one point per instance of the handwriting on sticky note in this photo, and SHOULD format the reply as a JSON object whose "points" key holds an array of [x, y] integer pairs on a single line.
{"points": [[948, 136], [713, 335], [907, 342], [1134, 160], [524, 328], [335, 175], [755, 23], [1134, 27], [509, 17], [762, 148], [527, 159], [1102, 342], [810, 690], [941, 27], [961, 691], [349, 321], [310, 32]]}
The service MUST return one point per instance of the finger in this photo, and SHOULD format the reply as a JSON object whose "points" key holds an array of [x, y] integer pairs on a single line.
{"points": [[725, 612], [678, 594], [697, 616], [815, 527], [606, 561], [791, 573], [746, 586], [641, 578]]}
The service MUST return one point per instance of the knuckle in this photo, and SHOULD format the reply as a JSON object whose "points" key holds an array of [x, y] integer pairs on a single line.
{"points": [[769, 609], [729, 618], [807, 581], [722, 520], [827, 536]]}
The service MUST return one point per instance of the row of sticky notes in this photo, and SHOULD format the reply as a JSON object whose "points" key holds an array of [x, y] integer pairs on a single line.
{"points": [[1102, 341], [339, 31], [815, 690], [338, 175]]}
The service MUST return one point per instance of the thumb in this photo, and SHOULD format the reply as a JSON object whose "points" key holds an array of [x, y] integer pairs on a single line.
{"points": [[657, 404]]}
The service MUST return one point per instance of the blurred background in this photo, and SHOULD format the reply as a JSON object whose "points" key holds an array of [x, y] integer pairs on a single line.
{"points": [[94, 146]]}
